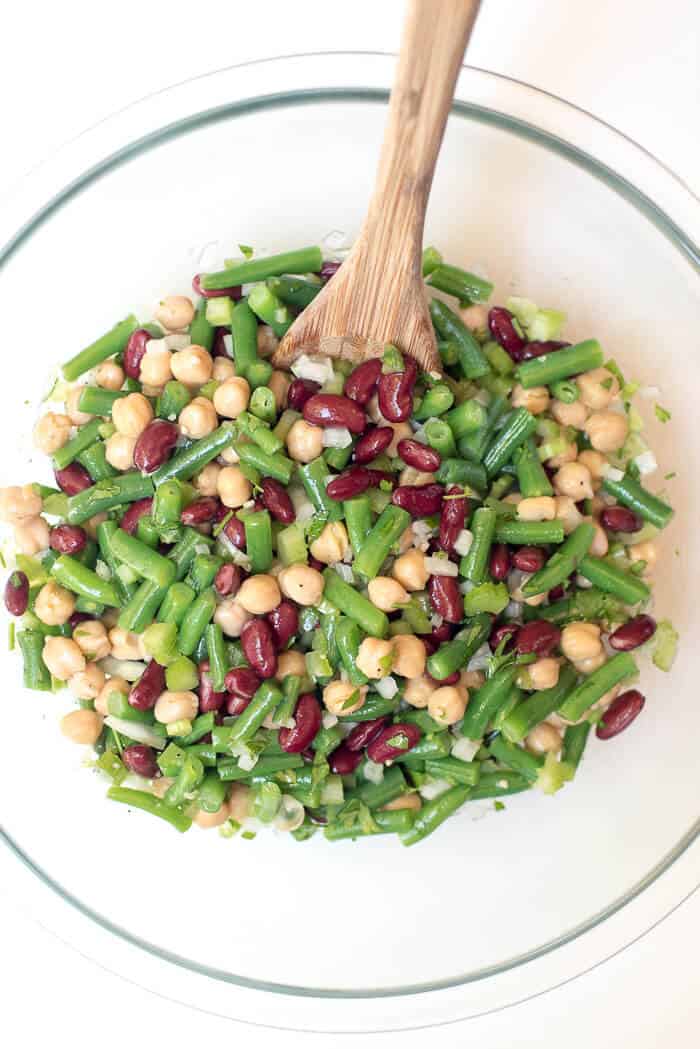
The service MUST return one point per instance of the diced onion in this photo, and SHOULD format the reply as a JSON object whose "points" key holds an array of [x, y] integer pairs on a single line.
{"points": [[465, 749], [582, 583], [336, 437], [157, 346], [436, 619], [373, 771], [130, 669], [329, 720], [102, 570], [228, 343], [646, 463], [290, 814], [344, 571], [480, 659], [247, 761], [463, 543], [440, 566], [386, 687], [138, 731], [336, 240], [513, 609], [465, 586], [434, 789], [201, 548], [316, 369], [421, 529], [177, 341]]}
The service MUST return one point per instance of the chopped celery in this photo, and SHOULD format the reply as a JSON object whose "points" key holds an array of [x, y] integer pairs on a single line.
{"points": [[524, 310], [219, 311], [546, 325], [554, 774], [36, 572], [500, 361], [666, 645], [318, 665], [487, 597], [291, 544]]}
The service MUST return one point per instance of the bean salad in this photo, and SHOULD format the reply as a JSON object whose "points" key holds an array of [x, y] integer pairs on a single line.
{"points": [[350, 598]]}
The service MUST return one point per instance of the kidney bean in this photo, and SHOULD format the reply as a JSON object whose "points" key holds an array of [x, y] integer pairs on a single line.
{"points": [[234, 530], [73, 479], [330, 409], [67, 539], [620, 714], [499, 562], [17, 594], [242, 681], [227, 580], [155, 445], [392, 741], [315, 563], [538, 349], [453, 516], [633, 633], [277, 501], [539, 637], [307, 715], [363, 734], [208, 699], [528, 558], [136, 511], [395, 392], [441, 633], [141, 760], [451, 679], [362, 382], [284, 621], [372, 444], [259, 647], [236, 705], [620, 519], [134, 352], [346, 485], [446, 598], [344, 761], [419, 456], [556, 593], [149, 686], [77, 618], [418, 500], [329, 269], [201, 511], [299, 393], [233, 292], [219, 348], [503, 331], [507, 632]]}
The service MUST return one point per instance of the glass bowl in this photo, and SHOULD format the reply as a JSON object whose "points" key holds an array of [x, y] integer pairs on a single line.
{"points": [[497, 906]]}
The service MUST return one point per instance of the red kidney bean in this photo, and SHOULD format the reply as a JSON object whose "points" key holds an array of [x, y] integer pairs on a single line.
{"points": [[299, 393], [538, 636], [453, 516], [17, 594], [201, 511], [234, 530], [344, 761], [346, 485], [242, 681], [418, 500], [377, 476], [329, 269], [277, 501], [134, 352], [149, 686], [395, 392], [67, 539], [136, 511], [284, 621], [633, 633], [538, 349], [621, 713], [155, 445], [236, 705], [372, 444], [507, 632], [503, 331], [392, 741], [73, 479], [259, 647], [77, 618], [528, 558], [362, 382], [419, 456], [233, 292], [363, 734], [556, 593], [307, 715], [441, 633], [446, 598], [141, 760], [219, 348], [430, 644], [227, 580], [451, 679], [620, 519], [330, 409], [499, 562], [315, 563], [209, 699]]}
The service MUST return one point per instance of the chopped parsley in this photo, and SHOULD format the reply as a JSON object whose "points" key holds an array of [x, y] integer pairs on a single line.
{"points": [[246, 251], [661, 413]]}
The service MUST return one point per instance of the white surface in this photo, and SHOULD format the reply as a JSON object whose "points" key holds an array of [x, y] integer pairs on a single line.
{"points": [[632, 78]]}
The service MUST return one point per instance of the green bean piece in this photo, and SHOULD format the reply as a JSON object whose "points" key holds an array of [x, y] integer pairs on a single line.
{"points": [[185, 550], [474, 565], [532, 479], [167, 507], [516, 758], [348, 638], [203, 571], [313, 477], [105, 532], [398, 821], [485, 702], [35, 674], [262, 404], [146, 532], [338, 458], [449, 353], [353, 604], [497, 357], [440, 437], [435, 812], [537, 707], [284, 424], [265, 768], [436, 401], [201, 331], [560, 364], [499, 784], [529, 533], [462, 471], [87, 556], [467, 417], [303, 260], [141, 799], [294, 291], [95, 462], [271, 310], [374, 795], [182, 675], [257, 430], [632, 495], [431, 260], [105, 495], [113, 342], [265, 700], [375, 706], [189, 777], [189, 461], [466, 287], [139, 557], [590, 690], [195, 621], [433, 747], [455, 654], [452, 769], [575, 739], [451, 328], [358, 519], [565, 390], [212, 793], [291, 688], [173, 399], [259, 373], [611, 579], [258, 539], [218, 662], [390, 525], [73, 576], [96, 401], [269, 465], [141, 609], [519, 425], [85, 436], [563, 562]]}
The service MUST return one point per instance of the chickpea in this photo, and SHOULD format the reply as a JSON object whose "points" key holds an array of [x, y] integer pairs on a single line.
{"points": [[156, 366], [91, 638], [475, 317], [533, 602], [279, 383], [409, 656], [174, 312], [207, 820], [332, 545], [302, 584], [447, 705], [76, 416], [375, 657], [82, 726], [93, 523], [110, 376], [63, 658], [543, 674], [580, 641], [406, 540], [386, 593], [267, 341], [88, 683], [536, 399], [304, 441], [234, 487], [404, 801], [595, 463], [19, 504], [132, 414], [240, 802], [229, 456], [232, 397], [231, 617], [175, 706], [607, 431], [401, 430], [537, 508], [161, 785], [207, 480], [597, 388], [418, 691], [342, 697], [569, 414], [587, 666], [54, 605], [126, 645], [290, 663], [32, 536], [543, 739], [192, 366], [410, 570], [223, 368], [417, 478], [198, 418], [119, 451], [259, 594], [574, 480], [113, 685], [569, 455], [52, 432], [567, 513], [643, 552], [599, 545]]}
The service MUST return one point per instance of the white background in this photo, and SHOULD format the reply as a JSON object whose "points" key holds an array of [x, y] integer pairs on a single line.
{"points": [[67, 65]]}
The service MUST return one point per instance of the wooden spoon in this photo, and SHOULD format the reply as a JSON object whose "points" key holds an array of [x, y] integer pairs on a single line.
{"points": [[378, 296]]}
